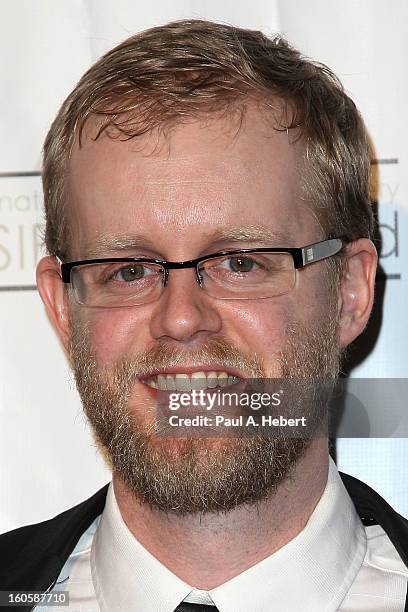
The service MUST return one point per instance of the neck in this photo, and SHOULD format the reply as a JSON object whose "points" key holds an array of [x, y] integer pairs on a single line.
{"points": [[230, 542]]}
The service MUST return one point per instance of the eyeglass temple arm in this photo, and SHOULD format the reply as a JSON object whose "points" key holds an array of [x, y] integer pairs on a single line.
{"points": [[59, 261], [321, 250]]}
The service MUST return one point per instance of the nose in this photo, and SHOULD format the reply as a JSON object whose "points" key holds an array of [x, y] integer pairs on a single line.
{"points": [[184, 312]]}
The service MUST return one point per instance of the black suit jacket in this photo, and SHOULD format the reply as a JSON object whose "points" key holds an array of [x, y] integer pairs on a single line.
{"points": [[32, 557]]}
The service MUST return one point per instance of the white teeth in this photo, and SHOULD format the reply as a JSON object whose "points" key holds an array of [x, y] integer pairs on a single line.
{"points": [[183, 382], [170, 382], [198, 381], [222, 379], [212, 379], [194, 382], [161, 382]]}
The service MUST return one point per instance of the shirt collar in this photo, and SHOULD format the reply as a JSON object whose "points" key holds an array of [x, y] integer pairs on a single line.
{"points": [[313, 571], [125, 575]]}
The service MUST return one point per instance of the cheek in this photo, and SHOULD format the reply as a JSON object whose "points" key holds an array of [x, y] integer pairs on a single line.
{"points": [[313, 296], [254, 327], [262, 325], [117, 332]]}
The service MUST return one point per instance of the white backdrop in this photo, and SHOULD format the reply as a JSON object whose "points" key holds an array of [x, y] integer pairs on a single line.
{"points": [[48, 460]]}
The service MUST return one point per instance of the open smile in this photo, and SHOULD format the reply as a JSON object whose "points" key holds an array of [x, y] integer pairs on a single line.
{"points": [[190, 381]]}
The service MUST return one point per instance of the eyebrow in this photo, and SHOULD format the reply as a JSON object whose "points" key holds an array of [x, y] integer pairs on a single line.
{"points": [[252, 233], [256, 233], [117, 244]]}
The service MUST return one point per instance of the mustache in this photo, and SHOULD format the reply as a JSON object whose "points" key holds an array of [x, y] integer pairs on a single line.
{"points": [[223, 353], [160, 356], [118, 378]]}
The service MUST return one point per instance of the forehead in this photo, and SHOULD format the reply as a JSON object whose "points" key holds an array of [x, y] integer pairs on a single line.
{"points": [[202, 179]]}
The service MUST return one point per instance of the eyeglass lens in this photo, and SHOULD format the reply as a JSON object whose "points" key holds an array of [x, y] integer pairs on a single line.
{"points": [[243, 276]]}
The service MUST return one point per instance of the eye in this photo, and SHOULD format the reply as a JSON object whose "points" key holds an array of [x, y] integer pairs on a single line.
{"points": [[241, 264], [133, 272]]}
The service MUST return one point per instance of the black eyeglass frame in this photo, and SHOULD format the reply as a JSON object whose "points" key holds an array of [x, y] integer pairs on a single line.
{"points": [[302, 256]]}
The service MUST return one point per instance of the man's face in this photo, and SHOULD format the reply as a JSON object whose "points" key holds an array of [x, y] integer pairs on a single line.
{"points": [[206, 188]]}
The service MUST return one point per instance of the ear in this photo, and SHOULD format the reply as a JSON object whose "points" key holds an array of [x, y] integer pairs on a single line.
{"points": [[54, 295], [356, 289]]}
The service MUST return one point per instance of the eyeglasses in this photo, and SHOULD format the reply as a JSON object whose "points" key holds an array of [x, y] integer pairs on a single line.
{"points": [[244, 274]]}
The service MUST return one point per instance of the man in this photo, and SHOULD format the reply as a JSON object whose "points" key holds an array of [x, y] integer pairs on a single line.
{"points": [[209, 222]]}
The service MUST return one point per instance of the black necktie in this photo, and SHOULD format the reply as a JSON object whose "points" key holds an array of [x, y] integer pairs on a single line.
{"points": [[193, 607]]}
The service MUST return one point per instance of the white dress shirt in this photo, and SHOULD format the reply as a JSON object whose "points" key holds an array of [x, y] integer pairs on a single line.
{"points": [[334, 563]]}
